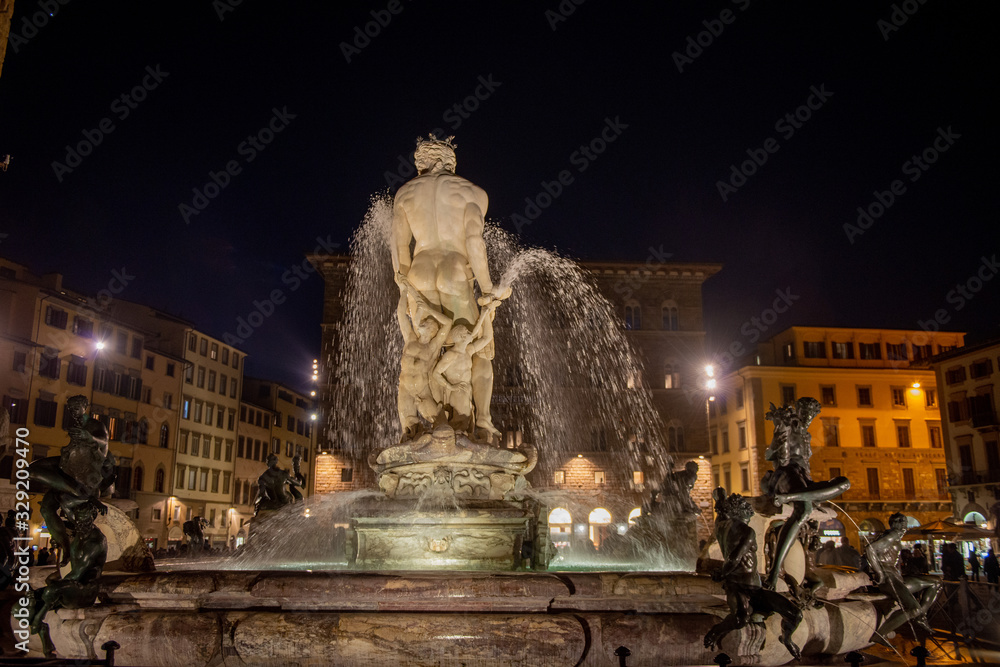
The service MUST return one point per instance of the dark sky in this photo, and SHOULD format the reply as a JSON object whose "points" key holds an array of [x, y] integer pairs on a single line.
{"points": [[887, 94]]}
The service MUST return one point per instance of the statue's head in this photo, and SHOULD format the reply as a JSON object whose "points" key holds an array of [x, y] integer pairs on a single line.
{"points": [[691, 467], [77, 405], [459, 337], [433, 155], [737, 507], [897, 521], [426, 329], [272, 460], [82, 516], [791, 429]]}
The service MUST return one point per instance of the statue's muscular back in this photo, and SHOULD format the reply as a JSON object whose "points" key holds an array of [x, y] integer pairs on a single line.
{"points": [[441, 210]]}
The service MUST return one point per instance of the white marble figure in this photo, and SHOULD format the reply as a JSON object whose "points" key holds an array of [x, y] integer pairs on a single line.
{"points": [[423, 337], [441, 216], [453, 372]]}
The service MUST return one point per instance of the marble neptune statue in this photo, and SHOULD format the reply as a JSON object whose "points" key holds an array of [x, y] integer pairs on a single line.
{"points": [[438, 256]]}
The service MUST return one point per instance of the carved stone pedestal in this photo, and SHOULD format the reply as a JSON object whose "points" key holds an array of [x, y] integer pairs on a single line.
{"points": [[392, 535]]}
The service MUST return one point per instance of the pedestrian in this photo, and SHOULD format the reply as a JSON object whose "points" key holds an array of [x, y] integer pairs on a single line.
{"points": [[847, 555], [828, 554], [952, 564], [992, 567], [974, 564], [919, 560], [43, 556]]}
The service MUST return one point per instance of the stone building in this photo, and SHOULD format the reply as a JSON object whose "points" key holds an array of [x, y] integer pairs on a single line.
{"points": [[969, 380], [660, 307], [880, 424]]}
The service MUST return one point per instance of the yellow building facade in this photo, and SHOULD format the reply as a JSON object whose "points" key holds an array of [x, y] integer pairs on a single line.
{"points": [[880, 424]]}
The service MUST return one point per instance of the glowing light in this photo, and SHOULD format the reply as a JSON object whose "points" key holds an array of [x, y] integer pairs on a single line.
{"points": [[710, 370], [100, 345], [701, 457], [711, 383], [313, 416], [312, 393], [711, 398], [579, 456]]}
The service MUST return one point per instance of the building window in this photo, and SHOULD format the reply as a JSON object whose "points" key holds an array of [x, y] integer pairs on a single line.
{"points": [[898, 397], [941, 477], [716, 477], [637, 477], [599, 477], [895, 351], [222, 384], [869, 351], [930, 398], [725, 443], [831, 431], [49, 363], [76, 372], [201, 377], [192, 478], [193, 343], [834, 473], [215, 482], [56, 317], [226, 480], [669, 312], [956, 411], [121, 343], [189, 375], [196, 413], [137, 478], [671, 378], [909, 487], [83, 327], [868, 433], [195, 444], [209, 413], [225, 355], [232, 389], [715, 442], [229, 450], [20, 361], [675, 438], [814, 349], [742, 429], [157, 514], [788, 394], [745, 476], [203, 481], [158, 480], [215, 351], [903, 434], [203, 348], [955, 375], [843, 350], [347, 474], [186, 408], [981, 369], [45, 412], [934, 435], [231, 420], [137, 351], [211, 380], [873, 489], [559, 477], [236, 360], [921, 353], [633, 317], [865, 397], [828, 395], [727, 476]]}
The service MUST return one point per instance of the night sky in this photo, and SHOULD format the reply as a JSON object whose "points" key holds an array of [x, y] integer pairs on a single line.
{"points": [[678, 115]]}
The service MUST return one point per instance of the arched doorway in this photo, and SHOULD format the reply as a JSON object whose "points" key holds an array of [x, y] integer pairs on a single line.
{"points": [[634, 515], [976, 518], [560, 527], [600, 526], [869, 529]]}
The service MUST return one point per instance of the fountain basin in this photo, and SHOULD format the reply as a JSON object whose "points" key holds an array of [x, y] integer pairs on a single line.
{"points": [[424, 618]]}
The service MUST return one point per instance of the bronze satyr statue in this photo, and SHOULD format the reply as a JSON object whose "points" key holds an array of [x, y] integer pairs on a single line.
{"points": [[915, 593], [790, 481], [738, 574], [194, 530], [271, 491], [82, 472], [88, 551]]}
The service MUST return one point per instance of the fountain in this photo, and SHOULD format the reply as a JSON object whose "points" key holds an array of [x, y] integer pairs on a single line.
{"points": [[448, 562]]}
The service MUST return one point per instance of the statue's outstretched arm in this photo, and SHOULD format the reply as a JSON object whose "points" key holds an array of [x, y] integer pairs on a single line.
{"points": [[400, 243], [475, 246]]}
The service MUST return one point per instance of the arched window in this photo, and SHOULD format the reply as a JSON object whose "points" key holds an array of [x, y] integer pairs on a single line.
{"points": [[634, 515], [633, 316], [669, 314], [158, 480], [143, 435], [976, 518], [560, 516], [870, 528], [137, 475], [675, 437], [671, 378], [164, 436]]}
